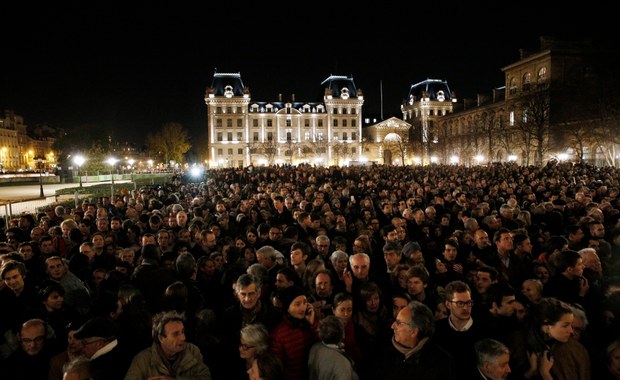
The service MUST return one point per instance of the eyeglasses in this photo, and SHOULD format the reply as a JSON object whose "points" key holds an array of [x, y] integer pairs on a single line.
{"points": [[85, 343], [245, 347], [401, 323], [36, 340], [462, 304]]}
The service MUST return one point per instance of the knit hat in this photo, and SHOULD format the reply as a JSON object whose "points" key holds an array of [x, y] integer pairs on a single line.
{"points": [[287, 295]]}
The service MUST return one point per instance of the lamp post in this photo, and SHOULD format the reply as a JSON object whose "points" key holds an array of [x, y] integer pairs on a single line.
{"points": [[112, 161], [40, 160], [79, 161]]}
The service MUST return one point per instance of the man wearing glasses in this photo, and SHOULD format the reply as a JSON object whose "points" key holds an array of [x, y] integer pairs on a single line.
{"points": [[32, 358], [458, 333], [99, 344], [414, 354]]}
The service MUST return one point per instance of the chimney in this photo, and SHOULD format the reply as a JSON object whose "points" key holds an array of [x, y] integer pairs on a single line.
{"points": [[293, 97], [280, 97]]}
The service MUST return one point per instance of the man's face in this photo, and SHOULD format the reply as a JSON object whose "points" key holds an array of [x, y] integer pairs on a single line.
{"points": [[360, 267], [392, 258], [497, 368], [460, 306], [32, 339], [282, 282], [322, 248], [14, 280], [47, 248], [297, 257], [248, 296], [481, 239], [115, 225], [415, 286], [506, 309], [323, 284], [404, 333], [505, 242], [483, 281], [173, 340], [56, 269]]}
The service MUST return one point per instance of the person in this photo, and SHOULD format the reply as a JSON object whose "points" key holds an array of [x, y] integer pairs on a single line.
{"points": [[549, 350], [343, 309], [327, 359], [59, 362], [413, 354], [292, 338], [170, 356], [492, 360], [99, 344], [254, 341], [612, 364], [458, 333], [77, 369], [266, 367], [32, 359]]}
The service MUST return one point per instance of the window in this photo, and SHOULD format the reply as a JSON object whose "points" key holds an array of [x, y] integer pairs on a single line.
{"points": [[288, 122], [525, 116], [255, 123], [306, 122], [319, 136], [218, 123], [353, 150], [335, 138], [320, 122], [239, 123], [344, 135], [218, 110], [527, 78], [512, 118], [240, 151], [239, 136], [269, 123], [335, 122], [353, 123], [307, 136], [288, 136], [269, 136], [255, 136], [229, 110], [219, 152], [229, 123], [219, 136], [354, 136], [542, 74], [344, 123], [229, 136], [513, 86], [230, 151]]}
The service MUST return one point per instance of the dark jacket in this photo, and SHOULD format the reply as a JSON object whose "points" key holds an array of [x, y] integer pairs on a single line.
{"points": [[432, 362]]}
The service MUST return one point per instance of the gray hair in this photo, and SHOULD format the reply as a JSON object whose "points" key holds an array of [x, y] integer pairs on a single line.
{"points": [[259, 271], [257, 335], [488, 350], [268, 252], [338, 254], [422, 318], [160, 321]]}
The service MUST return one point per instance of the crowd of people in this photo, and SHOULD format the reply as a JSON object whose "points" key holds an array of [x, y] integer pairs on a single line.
{"points": [[383, 272]]}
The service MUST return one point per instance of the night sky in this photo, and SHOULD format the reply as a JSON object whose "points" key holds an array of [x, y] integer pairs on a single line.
{"points": [[130, 68]]}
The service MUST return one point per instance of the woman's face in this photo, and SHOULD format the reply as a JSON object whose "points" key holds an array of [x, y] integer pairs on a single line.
{"points": [[531, 292], [542, 274], [251, 236], [247, 350], [297, 308], [344, 311], [562, 329], [373, 302]]}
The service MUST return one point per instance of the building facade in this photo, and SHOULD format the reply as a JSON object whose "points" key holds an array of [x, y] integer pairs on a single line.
{"points": [[20, 151], [244, 132]]}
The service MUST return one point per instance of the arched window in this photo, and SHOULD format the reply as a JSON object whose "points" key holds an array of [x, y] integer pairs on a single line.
{"points": [[542, 74], [513, 86]]}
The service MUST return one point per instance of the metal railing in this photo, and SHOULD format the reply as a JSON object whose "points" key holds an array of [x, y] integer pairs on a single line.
{"points": [[9, 209]]}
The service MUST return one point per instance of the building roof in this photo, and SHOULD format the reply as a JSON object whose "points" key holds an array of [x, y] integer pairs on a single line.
{"points": [[336, 83], [430, 88], [222, 80]]}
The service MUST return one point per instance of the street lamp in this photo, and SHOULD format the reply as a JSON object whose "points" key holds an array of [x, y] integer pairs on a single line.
{"points": [[40, 160], [79, 161], [112, 161]]}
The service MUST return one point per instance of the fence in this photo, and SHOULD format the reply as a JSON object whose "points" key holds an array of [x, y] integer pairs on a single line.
{"points": [[9, 209]]}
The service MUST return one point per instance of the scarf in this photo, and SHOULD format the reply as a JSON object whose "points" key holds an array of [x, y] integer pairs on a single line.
{"points": [[407, 351], [172, 366]]}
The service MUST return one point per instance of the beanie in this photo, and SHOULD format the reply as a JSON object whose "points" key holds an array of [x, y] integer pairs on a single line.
{"points": [[287, 295]]}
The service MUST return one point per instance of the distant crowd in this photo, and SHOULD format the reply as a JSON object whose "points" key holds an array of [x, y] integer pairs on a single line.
{"points": [[302, 272]]}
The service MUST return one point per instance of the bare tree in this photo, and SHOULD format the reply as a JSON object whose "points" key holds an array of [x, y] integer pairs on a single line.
{"points": [[270, 149], [534, 121], [396, 143]]}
